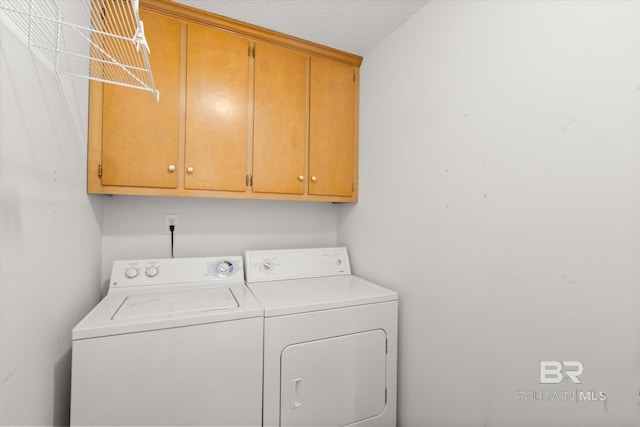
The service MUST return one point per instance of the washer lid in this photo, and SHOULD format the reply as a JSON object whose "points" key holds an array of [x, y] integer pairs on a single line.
{"points": [[304, 295], [176, 301], [124, 311]]}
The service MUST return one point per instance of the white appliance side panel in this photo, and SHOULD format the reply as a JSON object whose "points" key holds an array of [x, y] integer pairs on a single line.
{"points": [[283, 331], [209, 374], [334, 381]]}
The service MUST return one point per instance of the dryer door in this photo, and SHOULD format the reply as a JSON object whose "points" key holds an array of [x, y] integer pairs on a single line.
{"points": [[334, 381]]}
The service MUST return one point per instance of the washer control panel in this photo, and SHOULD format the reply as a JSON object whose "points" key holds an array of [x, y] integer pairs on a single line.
{"points": [[264, 266], [164, 271]]}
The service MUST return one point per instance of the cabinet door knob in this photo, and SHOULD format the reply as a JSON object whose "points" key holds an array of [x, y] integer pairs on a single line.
{"points": [[314, 179], [189, 169], [172, 168], [301, 178]]}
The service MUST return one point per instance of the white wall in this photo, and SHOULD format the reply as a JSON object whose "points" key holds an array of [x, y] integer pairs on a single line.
{"points": [[134, 227], [50, 237], [499, 195]]}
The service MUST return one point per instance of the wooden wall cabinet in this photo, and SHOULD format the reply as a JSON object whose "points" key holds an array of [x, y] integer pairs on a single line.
{"points": [[244, 112], [139, 136], [280, 111], [217, 113], [331, 129]]}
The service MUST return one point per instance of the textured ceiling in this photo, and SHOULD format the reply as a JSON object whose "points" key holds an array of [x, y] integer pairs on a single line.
{"points": [[354, 26]]}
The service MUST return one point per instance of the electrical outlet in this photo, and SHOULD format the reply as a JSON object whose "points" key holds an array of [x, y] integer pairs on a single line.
{"points": [[170, 219]]}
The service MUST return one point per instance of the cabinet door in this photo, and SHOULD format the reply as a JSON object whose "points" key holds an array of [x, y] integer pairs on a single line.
{"points": [[280, 120], [217, 108], [140, 136], [331, 128]]}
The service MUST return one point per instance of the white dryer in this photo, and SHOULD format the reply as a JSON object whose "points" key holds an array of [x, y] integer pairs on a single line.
{"points": [[174, 342], [330, 340]]}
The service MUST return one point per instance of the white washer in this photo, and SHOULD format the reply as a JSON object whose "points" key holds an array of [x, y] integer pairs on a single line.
{"points": [[330, 340], [174, 342]]}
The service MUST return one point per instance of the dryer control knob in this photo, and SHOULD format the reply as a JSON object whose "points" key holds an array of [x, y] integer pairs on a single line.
{"points": [[131, 272], [152, 271], [266, 266]]}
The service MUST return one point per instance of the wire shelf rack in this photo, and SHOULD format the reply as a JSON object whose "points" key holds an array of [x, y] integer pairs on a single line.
{"points": [[99, 40]]}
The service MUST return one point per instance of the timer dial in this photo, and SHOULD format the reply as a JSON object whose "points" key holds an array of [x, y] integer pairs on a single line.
{"points": [[223, 268]]}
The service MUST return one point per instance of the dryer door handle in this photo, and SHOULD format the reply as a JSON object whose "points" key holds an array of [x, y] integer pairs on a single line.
{"points": [[296, 392]]}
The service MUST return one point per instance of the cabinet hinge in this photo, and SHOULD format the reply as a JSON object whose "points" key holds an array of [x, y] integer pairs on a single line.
{"points": [[100, 170], [253, 51], [386, 346], [353, 187], [249, 50], [249, 180], [354, 77], [385, 395]]}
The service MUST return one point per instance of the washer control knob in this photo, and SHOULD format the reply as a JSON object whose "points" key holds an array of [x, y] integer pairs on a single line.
{"points": [[152, 271], [131, 272], [223, 268]]}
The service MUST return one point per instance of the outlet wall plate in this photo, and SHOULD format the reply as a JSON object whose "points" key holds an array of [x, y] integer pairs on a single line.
{"points": [[171, 219]]}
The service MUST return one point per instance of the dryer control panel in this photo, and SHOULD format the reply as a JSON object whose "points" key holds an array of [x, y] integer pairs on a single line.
{"points": [[166, 271], [286, 264]]}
